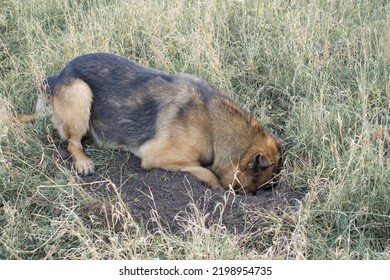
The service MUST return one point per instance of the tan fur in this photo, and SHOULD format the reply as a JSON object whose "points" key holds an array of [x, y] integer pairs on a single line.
{"points": [[71, 118], [42, 108], [179, 146], [25, 118]]}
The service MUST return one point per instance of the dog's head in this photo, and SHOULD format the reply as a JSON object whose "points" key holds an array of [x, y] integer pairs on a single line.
{"points": [[258, 165]]}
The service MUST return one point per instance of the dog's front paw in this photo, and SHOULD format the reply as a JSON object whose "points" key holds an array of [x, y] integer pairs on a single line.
{"points": [[214, 183], [217, 186], [84, 167]]}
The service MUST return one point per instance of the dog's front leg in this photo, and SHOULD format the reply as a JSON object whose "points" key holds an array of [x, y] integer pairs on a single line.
{"points": [[205, 175]]}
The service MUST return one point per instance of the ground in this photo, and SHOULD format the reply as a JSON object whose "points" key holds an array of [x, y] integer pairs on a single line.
{"points": [[160, 199]]}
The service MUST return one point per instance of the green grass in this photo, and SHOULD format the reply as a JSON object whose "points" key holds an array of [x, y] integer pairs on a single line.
{"points": [[315, 72]]}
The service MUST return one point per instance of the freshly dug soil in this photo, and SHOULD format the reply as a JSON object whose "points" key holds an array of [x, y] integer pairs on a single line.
{"points": [[160, 199]]}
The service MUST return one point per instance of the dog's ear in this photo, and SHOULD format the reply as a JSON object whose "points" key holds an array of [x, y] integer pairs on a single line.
{"points": [[259, 162]]}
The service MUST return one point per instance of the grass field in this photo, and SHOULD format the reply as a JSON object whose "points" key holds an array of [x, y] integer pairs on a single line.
{"points": [[317, 73]]}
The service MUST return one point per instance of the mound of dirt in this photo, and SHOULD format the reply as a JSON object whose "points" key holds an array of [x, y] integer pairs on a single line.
{"points": [[159, 199]]}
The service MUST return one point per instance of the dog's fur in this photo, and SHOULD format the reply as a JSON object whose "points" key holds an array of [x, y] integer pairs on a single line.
{"points": [[175, 122]]}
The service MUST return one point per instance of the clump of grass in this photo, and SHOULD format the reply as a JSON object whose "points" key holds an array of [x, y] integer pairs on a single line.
{"points": [[317, 73]]}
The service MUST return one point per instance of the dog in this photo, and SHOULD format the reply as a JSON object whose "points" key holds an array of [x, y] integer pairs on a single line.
{"points": [[175, 122]]}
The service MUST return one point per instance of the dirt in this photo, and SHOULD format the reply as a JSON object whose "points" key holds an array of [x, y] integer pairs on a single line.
{"points": [[169, 201]]}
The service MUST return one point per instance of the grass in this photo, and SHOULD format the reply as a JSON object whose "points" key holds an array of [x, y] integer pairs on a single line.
{"points": [[315, 72]]}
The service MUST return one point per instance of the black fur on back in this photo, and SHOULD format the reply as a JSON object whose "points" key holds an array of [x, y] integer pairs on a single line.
{"points": [[124, 110]]}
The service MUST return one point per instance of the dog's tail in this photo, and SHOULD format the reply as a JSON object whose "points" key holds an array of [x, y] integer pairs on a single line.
{"points": [[42, 106]]}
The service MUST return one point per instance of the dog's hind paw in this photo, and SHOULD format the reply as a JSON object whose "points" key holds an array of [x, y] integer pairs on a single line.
{"points": [[84, 167]]}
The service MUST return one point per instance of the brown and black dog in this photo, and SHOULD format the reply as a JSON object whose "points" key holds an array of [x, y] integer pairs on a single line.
{"points": [[175, 122]]}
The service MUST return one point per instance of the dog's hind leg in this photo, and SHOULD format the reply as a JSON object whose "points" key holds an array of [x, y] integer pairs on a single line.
{"points": [[71, 112]]}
